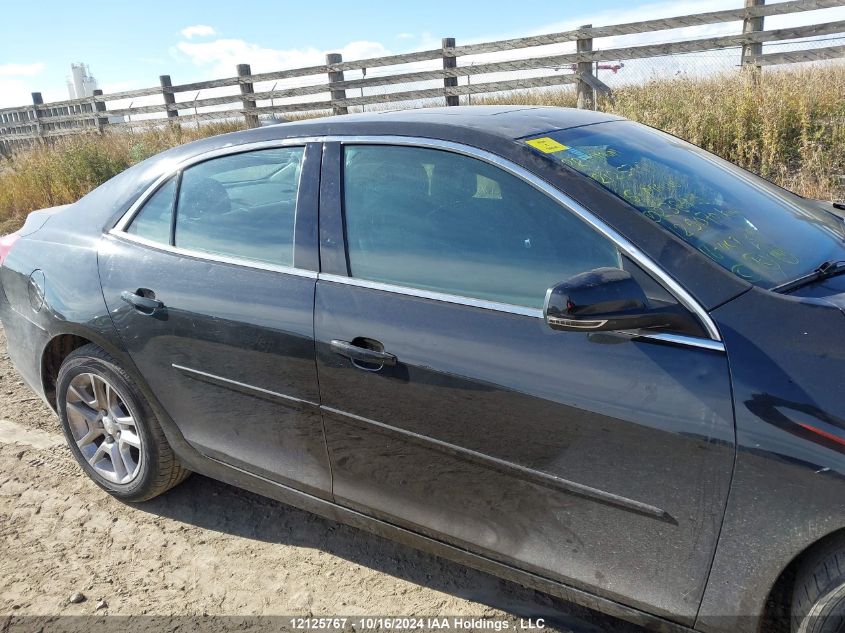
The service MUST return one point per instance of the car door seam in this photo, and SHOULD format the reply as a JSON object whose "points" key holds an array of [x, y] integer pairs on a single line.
{"points": [[314, 323]]}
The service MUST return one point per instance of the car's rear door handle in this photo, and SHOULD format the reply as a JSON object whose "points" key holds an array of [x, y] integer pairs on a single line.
{"points": [[362, 354], [146, 305]]}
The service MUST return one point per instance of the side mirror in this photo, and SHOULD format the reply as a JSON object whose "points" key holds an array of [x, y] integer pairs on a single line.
{"points": [[602, 300]]}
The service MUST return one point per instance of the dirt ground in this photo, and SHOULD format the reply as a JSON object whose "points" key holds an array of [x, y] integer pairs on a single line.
{"points": [[208, 549]]}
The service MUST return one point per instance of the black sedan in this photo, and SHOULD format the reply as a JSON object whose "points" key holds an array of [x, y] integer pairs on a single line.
{"points": [[551, 344]]}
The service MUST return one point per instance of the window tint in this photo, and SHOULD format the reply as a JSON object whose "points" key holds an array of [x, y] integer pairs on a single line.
{"points": [[241, 205], [154, 219], [440, 221]]}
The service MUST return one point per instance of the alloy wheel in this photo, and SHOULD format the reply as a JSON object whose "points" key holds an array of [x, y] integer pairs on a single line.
{"points": [[103, 428]]}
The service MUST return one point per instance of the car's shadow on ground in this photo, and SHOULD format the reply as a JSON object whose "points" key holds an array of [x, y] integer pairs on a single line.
{"points": [[217, 506]]}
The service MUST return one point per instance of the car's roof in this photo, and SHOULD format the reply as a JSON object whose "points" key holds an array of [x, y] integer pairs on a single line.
{"points": [[505, 121], [487, 127]]}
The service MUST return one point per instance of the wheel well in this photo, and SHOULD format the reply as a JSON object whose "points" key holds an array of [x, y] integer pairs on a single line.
{"points": [[776, 614], [54, 355]]}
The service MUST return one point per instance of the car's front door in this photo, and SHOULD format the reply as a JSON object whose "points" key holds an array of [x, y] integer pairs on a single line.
{"points": [[227, 246], [452, 408]]}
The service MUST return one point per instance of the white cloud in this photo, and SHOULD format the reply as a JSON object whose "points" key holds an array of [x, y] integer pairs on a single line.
{"points": [[198, 30], [18, 92], [221, 56], [14, 92], [21, 70], [15, 86]]}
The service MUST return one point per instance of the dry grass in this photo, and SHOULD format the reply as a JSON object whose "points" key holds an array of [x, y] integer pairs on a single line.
{"points": [[66, 170], [788, 127]]}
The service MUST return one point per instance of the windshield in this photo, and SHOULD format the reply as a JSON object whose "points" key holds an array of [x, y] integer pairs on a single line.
{"points": [[759, 232]]}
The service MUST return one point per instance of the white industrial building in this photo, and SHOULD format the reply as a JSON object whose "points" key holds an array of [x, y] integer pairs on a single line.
{"points": [[81, 83]]}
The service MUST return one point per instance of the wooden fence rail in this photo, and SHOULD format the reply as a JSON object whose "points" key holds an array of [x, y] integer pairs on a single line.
{"points": [[328, 88]]}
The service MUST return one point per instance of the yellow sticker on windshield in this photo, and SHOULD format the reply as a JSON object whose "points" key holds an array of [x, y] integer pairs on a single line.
{"points": [[546, 145]]}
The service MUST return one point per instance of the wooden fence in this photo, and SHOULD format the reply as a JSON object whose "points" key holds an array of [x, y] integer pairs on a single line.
{"points": [[40, 121]]}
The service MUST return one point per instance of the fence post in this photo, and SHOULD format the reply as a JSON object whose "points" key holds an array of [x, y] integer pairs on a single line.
{"points": [[169, 97], [247, 89], [586, 96], [100, 106], [751, 25], [450, 61], [37, 100], [334, 77]]}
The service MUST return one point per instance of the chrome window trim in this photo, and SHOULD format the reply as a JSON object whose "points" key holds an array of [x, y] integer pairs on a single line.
{"points": [[689, 341], [434, 295], [126, 218], [535, 313], [625, 246], [214, 257], [119, 229]]}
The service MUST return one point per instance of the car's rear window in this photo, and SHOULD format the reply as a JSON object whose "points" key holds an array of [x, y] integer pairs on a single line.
{"points": [[762, 234]]}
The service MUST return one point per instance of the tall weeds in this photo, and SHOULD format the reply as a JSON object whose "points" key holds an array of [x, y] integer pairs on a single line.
{"points": [[67, 169]]}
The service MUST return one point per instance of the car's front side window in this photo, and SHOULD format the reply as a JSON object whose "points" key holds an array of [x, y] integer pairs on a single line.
{"points": [[445, 222]]}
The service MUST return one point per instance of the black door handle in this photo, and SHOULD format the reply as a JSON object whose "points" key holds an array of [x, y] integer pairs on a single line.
{"points": [[362, 354], [144, 304]]}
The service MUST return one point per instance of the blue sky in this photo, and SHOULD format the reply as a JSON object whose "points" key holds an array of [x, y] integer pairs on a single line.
{"points": [[128, 45]]}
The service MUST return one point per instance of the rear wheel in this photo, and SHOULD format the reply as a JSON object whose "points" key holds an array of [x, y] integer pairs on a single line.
{"points": [[818, 599], [111, 430]]}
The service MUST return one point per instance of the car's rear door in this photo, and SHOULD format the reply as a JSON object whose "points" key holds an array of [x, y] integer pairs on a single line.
{"points": [[228, 246], [452, 409]]}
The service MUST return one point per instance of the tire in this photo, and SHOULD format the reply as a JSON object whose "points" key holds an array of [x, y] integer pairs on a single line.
{"points": [[96, 400], [818, 598]]}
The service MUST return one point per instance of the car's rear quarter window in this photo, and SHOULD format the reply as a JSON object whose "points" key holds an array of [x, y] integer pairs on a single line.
{"points": [[154, 220]]}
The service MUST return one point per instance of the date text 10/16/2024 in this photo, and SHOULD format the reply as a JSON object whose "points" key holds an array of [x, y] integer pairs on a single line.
{"points": [[434, 623]]}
